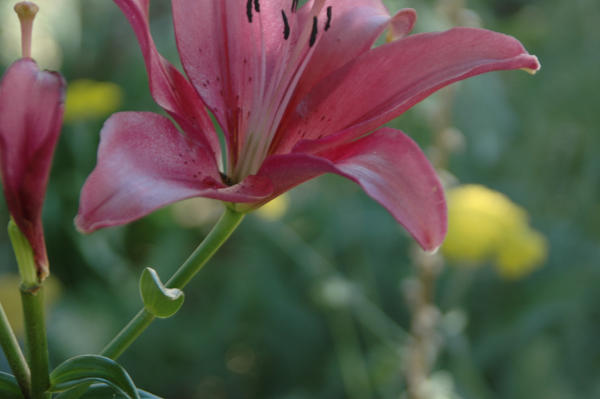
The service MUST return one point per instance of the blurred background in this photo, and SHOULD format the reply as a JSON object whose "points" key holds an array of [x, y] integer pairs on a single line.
{"points": [[322, 294]]}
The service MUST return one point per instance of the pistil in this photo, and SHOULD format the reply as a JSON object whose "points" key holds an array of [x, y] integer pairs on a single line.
{"points": [[26, 11]]}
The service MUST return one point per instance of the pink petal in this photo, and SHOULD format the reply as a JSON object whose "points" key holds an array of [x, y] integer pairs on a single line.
{"points": [[391, 169], [386, 81], [144, 163], [221, 52], [354, 27], [168, 86], [402, 24], [31, 109]]}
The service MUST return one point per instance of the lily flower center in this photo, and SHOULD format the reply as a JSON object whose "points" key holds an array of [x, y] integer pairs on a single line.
{"points": [[301, 30]]}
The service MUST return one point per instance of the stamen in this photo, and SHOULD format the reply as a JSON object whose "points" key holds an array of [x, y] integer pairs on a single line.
{"points": [[256, 6], [249, 10], [26, 11], [313, 33], [328, 23], [286, 26]]}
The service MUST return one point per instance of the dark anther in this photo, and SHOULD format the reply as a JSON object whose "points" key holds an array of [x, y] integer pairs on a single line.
{"points": [[249, 10], [294, 5], [256, 6], [313, 33], [286, 26], [328, 23]]}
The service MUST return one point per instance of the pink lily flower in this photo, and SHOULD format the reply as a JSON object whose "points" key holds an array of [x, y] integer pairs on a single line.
{"points": [[31, 109], [297, 92]]}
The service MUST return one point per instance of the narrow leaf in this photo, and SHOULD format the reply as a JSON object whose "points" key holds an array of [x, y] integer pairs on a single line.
{"points": [[92, 368], [75, 393], [147, 395], [101, 391], [9, 388], [158, 300]]}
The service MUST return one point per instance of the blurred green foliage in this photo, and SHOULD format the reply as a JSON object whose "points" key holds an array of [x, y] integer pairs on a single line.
{"points": [[311, 305]]}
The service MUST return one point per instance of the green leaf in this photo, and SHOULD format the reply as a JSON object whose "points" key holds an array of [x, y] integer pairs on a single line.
{"points": [[158, 300], [147, 395], [76, 392], [9, 388], [101, 391], [92, 368]]}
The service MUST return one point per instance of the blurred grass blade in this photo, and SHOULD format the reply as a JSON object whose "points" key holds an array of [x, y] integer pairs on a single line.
{"points": [[9, 389], [158, 300], [92, 368]]}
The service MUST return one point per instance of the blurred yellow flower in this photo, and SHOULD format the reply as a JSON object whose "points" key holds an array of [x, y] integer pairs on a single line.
{"points": [[486, 225], [90, 99], [274, 209], [521, 254], [10, 298]]}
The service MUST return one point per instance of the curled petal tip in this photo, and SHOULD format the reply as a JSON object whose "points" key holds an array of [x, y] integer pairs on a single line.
{"points": [[431, 244], [43, 270], [401, 24], [79, 225], [536, 66], [432, 251]]}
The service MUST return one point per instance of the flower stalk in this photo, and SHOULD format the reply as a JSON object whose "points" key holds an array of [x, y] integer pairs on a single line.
{"points": [[35, 338], [32, 298], [226, 225]]}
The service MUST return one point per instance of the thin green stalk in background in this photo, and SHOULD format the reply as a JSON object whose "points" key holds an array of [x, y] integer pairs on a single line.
{"points": [[14, 355]]}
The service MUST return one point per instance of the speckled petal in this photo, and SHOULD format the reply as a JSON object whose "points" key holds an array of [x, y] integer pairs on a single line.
{"points": [[144, 163], [391, 169]]}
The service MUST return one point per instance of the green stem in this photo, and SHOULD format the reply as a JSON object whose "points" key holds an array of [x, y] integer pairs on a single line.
{"points": [[226, 225], [13, 353], [35, 338], [128, 334]]}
